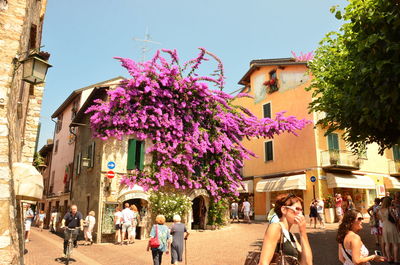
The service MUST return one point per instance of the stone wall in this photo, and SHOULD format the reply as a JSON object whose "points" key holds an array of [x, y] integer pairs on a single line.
{"points": [[19, 114]]}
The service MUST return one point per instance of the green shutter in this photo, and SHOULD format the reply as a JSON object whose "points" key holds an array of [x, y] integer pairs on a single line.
{"points": [[333, 141], [396, 152], [268, 151], [267, 110], [142, 153], [131, 154]]}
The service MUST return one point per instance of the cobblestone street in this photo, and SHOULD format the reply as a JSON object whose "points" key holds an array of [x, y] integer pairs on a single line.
{"points": [[227, 246]]}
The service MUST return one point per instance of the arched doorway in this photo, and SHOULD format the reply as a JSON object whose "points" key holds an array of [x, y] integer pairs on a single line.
{"points": [[199, 211], [142, 206]]}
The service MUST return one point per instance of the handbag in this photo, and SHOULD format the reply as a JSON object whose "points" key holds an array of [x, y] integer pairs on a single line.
{"points": [[280, 258], [155, 242]]}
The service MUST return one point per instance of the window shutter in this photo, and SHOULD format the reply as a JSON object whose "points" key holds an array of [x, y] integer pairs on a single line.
{"points": [[142, 154], [131, 154], [333, 141], [78, 163], [268, 151], [91, 154], [396, 152], [267, 110]]}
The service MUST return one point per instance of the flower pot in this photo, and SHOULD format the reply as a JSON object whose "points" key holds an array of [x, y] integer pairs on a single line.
{"points": [[329, 215]]}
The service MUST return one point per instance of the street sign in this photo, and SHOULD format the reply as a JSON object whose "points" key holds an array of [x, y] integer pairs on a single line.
{"points": [[313, 179], [110, 174], [111, 165]]}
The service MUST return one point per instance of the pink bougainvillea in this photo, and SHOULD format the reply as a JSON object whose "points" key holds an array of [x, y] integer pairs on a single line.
{"points": [[196, 133]]}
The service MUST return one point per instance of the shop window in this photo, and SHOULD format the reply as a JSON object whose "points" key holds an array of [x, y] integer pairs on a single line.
{"points": [[396, 152], [268, 149], [135, 154], [267, 110], [333, 142]]}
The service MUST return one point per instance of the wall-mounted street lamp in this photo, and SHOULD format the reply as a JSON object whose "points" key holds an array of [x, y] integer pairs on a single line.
{"points": [[35, 68]]}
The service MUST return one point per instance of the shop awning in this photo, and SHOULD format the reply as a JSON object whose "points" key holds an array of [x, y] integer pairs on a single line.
{"points": [[295, 182], [136, 192], [391, 182], [28, 182], [350, 181], [247, 187]]}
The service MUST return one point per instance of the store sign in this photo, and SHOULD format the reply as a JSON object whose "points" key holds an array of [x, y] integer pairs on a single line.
{"points": [[380, 190]]}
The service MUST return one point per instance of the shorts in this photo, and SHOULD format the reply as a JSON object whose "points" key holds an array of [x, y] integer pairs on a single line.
{"points": [[127, 227], [118, 227], [339, 211], [246, 214], [234, 214], [28, 224], [320, 217]]}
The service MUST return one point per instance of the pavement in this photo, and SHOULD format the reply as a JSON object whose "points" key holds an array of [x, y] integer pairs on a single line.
{"points": [[226, 246]]}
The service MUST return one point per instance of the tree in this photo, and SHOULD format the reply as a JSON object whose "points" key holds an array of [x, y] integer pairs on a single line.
{"points": [[195, 133], [357, 74]]}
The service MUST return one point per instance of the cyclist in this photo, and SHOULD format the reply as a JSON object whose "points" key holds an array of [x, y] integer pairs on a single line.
{"points": [[72, 219]]}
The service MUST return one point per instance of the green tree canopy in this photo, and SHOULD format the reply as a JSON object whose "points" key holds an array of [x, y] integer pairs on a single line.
{"points": [[357, 74]]}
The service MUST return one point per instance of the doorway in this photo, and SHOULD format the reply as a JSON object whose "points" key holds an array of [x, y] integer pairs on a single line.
{"points": [[141, 207], [199, 211]]}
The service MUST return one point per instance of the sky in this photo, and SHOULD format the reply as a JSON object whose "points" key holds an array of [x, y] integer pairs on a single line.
{"points": [[84, 36]]}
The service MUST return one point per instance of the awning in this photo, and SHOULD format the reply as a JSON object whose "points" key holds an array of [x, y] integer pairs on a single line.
{"points": [[350, 181], [247, 187], [391, 182], [28, 182], [136, 192], [295, 182]]}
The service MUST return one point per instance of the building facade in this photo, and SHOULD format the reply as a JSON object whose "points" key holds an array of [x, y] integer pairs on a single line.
{"points": [[59, 184], [20, 104], [312, 164], [98, 169]]}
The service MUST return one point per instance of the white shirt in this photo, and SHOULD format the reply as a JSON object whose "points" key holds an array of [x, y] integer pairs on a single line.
{"points": [[234, 206], [246, 206], [320, 206], [90, 220], [118, 217], [127, 215]]}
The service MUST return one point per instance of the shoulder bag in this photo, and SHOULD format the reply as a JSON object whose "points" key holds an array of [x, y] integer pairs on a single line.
{"points": [[155, 242], [279, 258]]}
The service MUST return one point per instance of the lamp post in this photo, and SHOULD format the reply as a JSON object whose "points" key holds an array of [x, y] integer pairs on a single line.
{"points": [[35, 69]]}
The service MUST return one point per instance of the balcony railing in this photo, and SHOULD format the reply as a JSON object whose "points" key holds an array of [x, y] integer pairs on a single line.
{"points": [[394, 167], [340, 160]]}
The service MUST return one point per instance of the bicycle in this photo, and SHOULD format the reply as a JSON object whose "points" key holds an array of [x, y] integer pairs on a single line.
{"points": [[71, 237]]}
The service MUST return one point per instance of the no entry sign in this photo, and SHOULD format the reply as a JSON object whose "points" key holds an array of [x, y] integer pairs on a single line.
{"points": [[110, 174]]}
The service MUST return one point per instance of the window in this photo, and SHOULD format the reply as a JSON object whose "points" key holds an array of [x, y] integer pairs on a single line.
{"points": [[273, 81], [135, 154], [52, 182], [74, 110], [267, 110], [59, 123], [333, 142], [396, 152], [269, 152], [78, 164], [56, 147], [90, 154]]}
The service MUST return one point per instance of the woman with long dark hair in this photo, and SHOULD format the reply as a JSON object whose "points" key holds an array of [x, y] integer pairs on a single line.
{"points": [[289, 209], [351, 248]]}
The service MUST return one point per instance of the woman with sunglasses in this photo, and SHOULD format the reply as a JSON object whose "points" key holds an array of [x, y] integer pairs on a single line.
{"points": [[290, 212], [351, 248]]}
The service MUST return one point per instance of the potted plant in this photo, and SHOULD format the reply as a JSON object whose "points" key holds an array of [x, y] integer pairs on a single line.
{"points": [[272, 84], [329, 210], [333, 156]]}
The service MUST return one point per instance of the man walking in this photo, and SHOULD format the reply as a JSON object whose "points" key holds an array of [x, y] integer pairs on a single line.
{"points": [[72, 219], [127, 218], [246, 211], [28, 216], [234, 211]]}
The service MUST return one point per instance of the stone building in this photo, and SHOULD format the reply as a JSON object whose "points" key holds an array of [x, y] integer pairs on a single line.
{"points": [[99, 166], [21, 24], [58, 186]]}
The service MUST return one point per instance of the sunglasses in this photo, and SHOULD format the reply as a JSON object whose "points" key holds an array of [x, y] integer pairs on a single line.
{"points": [[360, 218], [295, 209], [290, 195]]}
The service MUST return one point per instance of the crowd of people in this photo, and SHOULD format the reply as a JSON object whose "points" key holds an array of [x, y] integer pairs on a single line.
{"points": [[245, 209]]}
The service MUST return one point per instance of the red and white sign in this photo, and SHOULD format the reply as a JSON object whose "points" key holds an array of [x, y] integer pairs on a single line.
{"points": [[110, 174]]}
